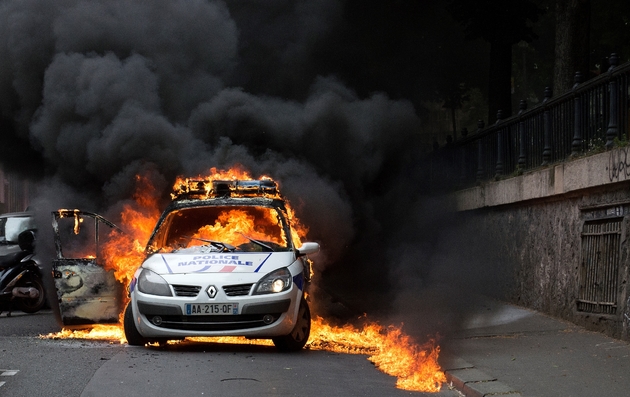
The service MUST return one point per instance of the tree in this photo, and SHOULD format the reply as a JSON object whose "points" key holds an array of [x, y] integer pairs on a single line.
{"points": [[457, 95], [572, 42], [610, 32], [502, 24]]}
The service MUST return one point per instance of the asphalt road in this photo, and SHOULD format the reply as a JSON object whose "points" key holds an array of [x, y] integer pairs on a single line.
{"points": [[45, 367], [33, 366]]}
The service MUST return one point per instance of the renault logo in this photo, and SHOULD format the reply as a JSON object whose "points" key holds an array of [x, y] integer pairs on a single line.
{"points": [[212, 291]]}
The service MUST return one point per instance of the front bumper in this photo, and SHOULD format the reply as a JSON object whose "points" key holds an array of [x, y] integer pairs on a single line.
{"points": [[259, 316]]}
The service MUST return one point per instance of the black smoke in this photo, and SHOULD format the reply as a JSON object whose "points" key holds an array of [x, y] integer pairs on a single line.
{"points": [[321, 95]]}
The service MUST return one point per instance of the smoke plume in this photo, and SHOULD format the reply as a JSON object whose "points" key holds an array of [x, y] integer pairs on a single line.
{"points": [[93, 92]]}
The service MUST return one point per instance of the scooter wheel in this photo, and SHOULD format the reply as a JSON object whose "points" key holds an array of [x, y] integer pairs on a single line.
{"points": [[32, 305]]}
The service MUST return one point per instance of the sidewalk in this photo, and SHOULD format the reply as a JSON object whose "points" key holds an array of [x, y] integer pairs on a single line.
{"points": [[508, 351]]}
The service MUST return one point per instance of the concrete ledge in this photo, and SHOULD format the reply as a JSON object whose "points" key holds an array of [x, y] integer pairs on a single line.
{"points": [[449, 362], [468, 375], [587, 172], [474, 383], [493, 388]]}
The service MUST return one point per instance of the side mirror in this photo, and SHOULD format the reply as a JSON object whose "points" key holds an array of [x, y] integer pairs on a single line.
{"points": [[26, 240], [307, 248]]}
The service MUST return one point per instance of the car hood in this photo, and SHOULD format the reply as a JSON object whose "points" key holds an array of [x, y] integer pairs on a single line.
{"points": [[230, 262]]}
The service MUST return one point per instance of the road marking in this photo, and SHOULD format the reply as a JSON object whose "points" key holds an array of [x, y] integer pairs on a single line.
{"points": [[7, 372]]}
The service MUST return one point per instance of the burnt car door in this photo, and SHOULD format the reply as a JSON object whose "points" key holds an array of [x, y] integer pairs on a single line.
{"points": [[87, 292]]}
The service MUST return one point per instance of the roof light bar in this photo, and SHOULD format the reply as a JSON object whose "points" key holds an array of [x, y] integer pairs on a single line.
{"points": [[226, 188]]}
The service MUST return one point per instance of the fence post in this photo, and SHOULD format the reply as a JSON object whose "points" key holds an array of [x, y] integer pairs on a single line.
{"points": [[576, 145], [546, 155], [612, 132], [480, 125], [522, 159], [464, 169], [499, 167]]}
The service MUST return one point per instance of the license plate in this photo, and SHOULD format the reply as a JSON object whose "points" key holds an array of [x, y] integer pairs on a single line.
{"points": [[209, 309]]}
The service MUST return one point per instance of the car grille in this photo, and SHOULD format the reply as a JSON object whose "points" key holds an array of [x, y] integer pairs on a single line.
{"points": [[237, 290], [230, 290], [186, 290], [215, 323]]}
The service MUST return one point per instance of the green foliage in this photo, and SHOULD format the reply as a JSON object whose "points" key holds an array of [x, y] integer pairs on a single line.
{"points": [[473, 109], [596, 145], [621, 142], [517, 171]]}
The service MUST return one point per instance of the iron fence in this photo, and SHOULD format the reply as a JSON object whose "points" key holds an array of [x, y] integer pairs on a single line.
{"points": [[589, 118]]}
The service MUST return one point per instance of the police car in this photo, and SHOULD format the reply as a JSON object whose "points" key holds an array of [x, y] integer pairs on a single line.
{"points": [[222, 260]]}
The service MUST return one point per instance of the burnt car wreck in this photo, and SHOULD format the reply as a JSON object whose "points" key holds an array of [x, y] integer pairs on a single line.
{"points": [[223, 260], [87, 292]]}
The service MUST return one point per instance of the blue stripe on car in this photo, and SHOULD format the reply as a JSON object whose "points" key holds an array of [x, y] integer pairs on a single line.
{"points": [[166, 263], [263, 262], [298, 279]]}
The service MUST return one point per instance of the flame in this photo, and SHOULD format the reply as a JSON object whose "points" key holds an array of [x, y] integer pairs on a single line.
{"points": [[182, 184], [392, 351], [298, 230], [235, 173], [124, 252], [112, 332], [232, 226], [77, 219], [389, 348], [108, 332]]}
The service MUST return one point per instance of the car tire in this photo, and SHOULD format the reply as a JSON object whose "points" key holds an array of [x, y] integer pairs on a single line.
{"points": [[33, 305], [131, 332], [298, 337]]}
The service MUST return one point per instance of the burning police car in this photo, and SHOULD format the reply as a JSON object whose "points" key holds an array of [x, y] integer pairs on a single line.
{"points": [[222, 260]]}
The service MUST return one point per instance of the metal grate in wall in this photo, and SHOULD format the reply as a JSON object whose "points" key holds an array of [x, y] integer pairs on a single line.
{"points": [[599, 271]]}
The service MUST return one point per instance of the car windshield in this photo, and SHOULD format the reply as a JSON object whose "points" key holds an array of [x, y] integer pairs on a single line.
{"points": [[221, 228]]}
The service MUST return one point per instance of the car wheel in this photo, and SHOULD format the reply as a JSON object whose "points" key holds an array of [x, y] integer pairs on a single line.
{"points": [[131, 332], [299, 335], [32, 305]]}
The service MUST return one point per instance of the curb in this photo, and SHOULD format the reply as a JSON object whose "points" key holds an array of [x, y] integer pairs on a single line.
{"points": [[472, 382]]}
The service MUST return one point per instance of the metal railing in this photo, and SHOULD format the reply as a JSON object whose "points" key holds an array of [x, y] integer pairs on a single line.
{"points": [[590, 117]]}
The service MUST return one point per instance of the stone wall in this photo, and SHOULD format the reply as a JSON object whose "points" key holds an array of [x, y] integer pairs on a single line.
{"points": [[534, 224]]}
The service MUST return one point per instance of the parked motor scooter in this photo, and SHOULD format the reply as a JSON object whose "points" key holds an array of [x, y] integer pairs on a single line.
{"points": [[20, 277]]}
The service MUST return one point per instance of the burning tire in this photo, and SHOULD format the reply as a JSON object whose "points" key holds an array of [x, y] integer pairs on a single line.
{"points": [[131, 332], [299, 335], [32, 305]]}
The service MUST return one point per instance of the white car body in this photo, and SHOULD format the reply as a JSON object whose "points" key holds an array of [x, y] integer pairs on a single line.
{"points": [[210, 288], [219, 275]]}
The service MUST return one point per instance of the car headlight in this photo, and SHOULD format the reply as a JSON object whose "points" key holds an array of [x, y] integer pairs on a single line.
{"points": [[276, 281], [152, 283]]}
